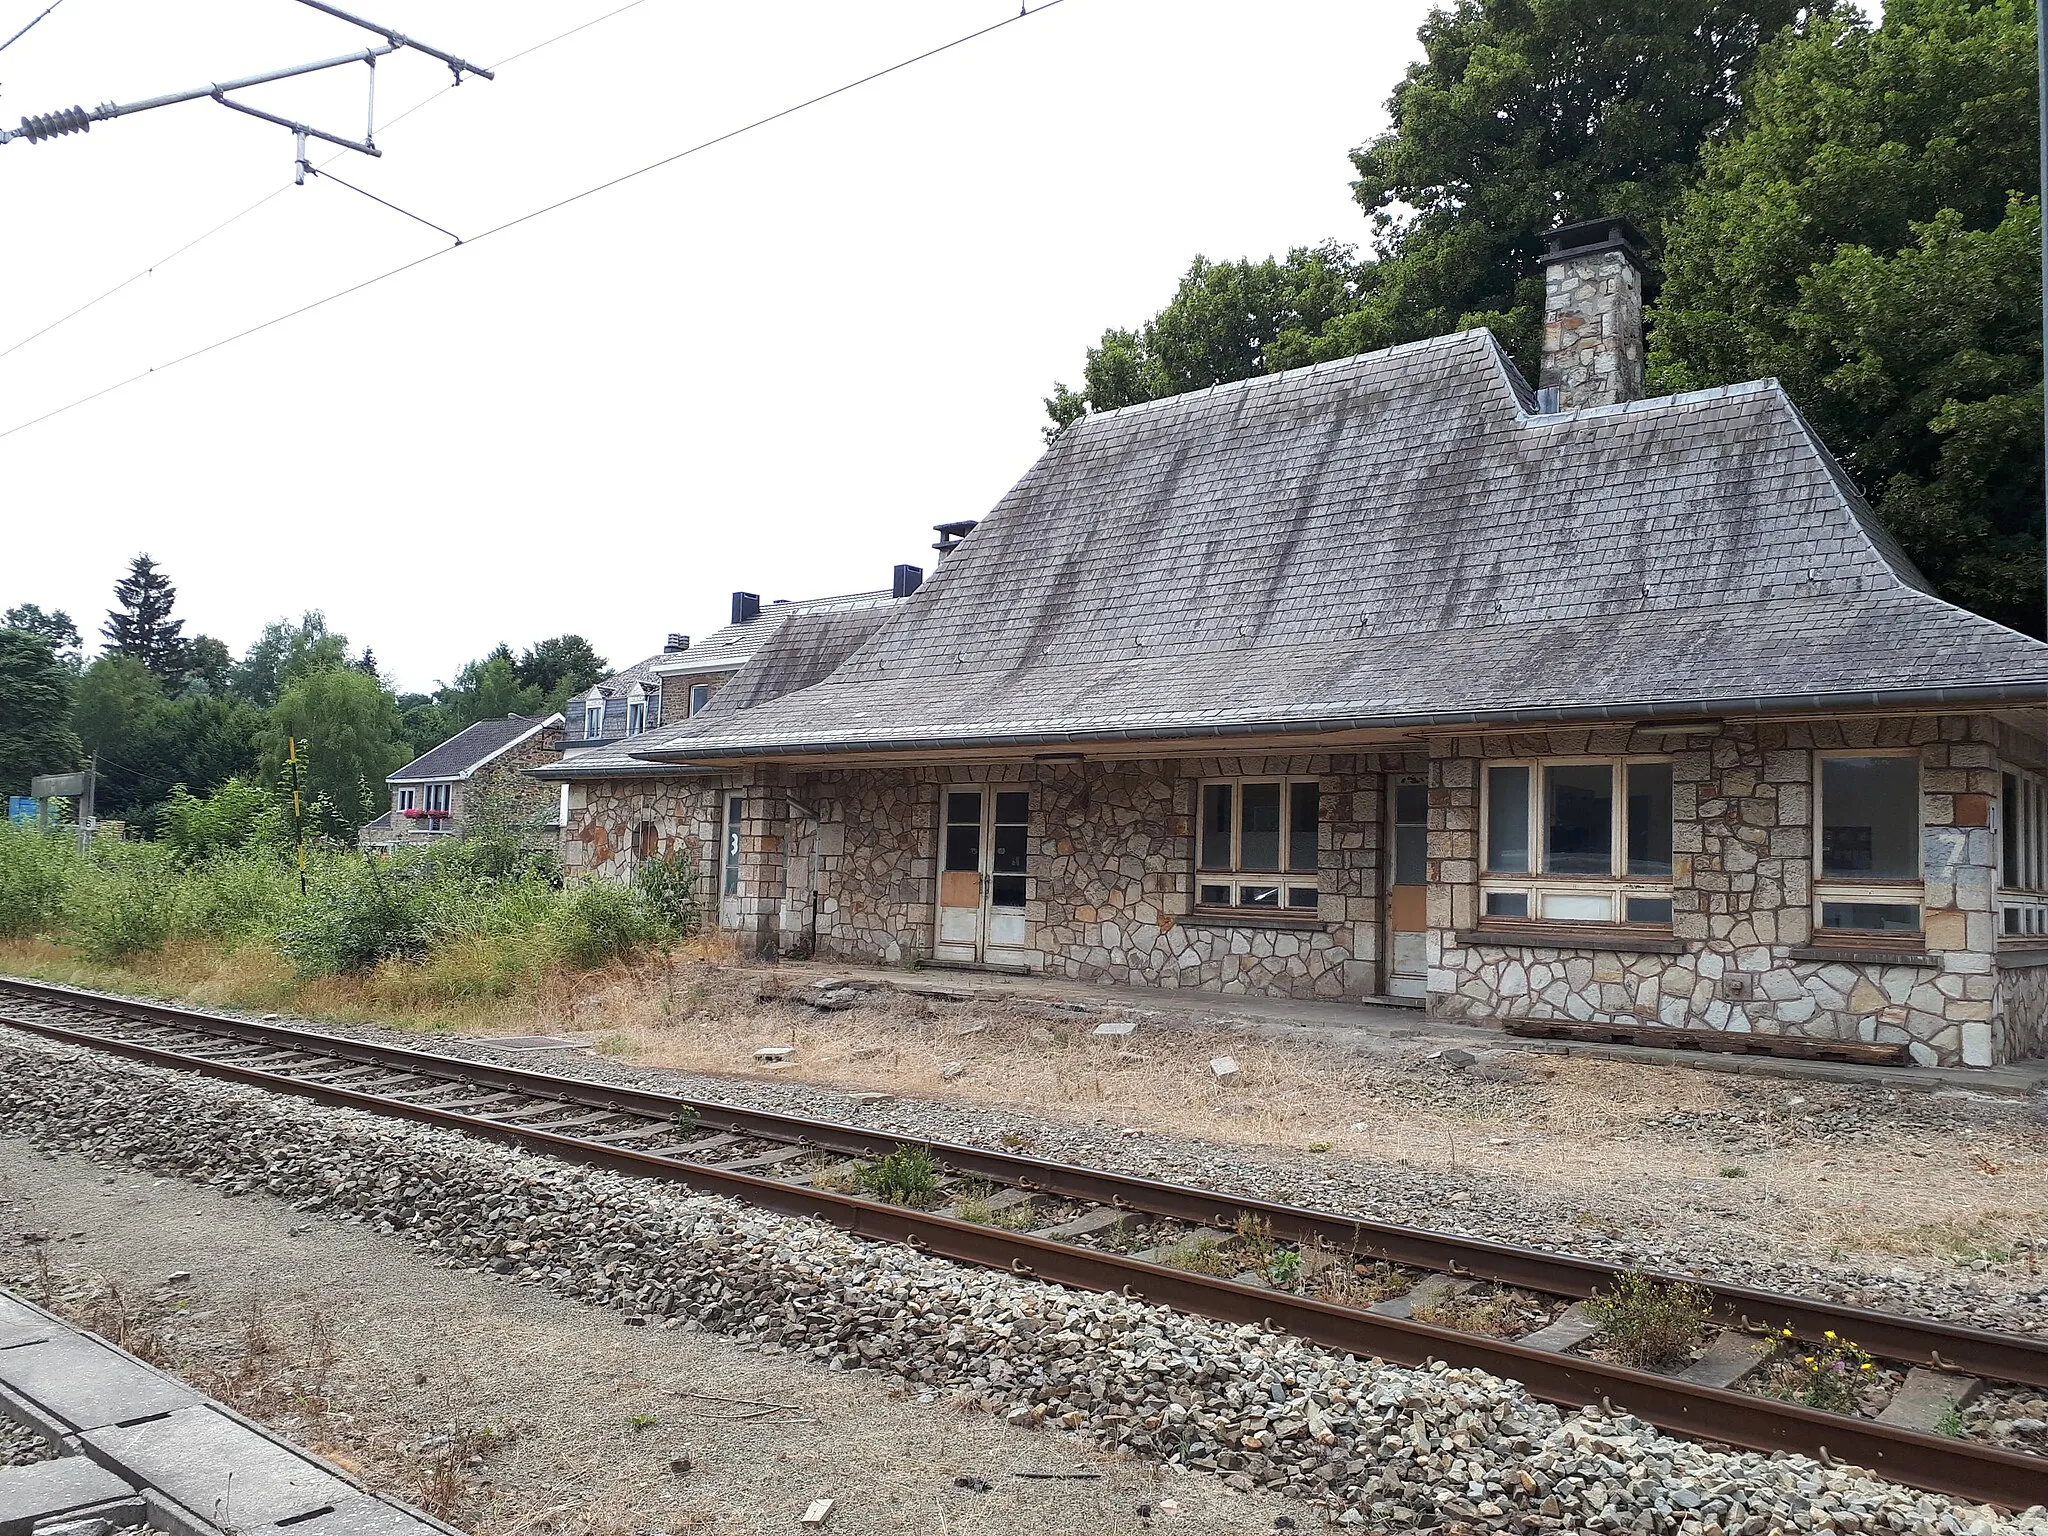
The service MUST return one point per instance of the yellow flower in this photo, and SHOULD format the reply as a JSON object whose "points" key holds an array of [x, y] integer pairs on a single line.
{"points": [[1868, 1366], [1830, 1333]]}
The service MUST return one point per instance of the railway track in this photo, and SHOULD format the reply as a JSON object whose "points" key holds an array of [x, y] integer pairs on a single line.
{"points": [[1398, 1293]]}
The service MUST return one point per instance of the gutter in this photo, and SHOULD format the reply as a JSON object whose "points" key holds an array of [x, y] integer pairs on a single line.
{"points": [[1974, 696]]}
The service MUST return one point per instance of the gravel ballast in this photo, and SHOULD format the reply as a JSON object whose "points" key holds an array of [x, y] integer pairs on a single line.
{"points": [[1377, 1445]]}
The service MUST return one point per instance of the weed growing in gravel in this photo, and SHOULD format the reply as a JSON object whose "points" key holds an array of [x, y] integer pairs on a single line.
{"points": [[1284, 1268], [1735, 1171], [1498, 1313], [643, 1421], [1826, 1375], [1950, 1423], [1254, 1240], [686, 1119], [1203, 1256], [1651, 1323], [1319, 1146], [908, 1176], [1358, 1283]]}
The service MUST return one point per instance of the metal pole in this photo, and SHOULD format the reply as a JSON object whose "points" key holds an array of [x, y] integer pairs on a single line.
{"points": [[87, 817], [291, 755], [107, 111], [399, 39]]}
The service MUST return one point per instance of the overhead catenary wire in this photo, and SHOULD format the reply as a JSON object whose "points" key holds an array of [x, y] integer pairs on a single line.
{"points": [[25, 30], [314, 170], [281, 188], [534, 213]]}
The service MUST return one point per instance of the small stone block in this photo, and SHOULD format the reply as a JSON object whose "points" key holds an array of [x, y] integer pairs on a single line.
{"points": [[774, 1052], [1925, 1397], [214, 1467], [48, 1490], [1116, 1027], [1093, 1221], [1726, 1361], [862, 1100], [86, 1384], [1224, 1066], [819, 1512], [361, 1515]]}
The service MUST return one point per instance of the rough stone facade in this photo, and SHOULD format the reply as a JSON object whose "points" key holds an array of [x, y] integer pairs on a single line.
{"points": [[1593, 329], [1112, 883], [1742, 954]]}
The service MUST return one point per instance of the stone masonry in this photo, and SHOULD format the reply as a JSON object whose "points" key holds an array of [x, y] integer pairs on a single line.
{"points": [[1593, 326]]}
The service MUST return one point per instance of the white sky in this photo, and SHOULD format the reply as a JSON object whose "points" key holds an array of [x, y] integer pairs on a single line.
{"points": [[771, 366]]}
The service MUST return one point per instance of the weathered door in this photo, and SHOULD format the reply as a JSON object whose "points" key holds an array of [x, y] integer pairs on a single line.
{"points": [[982, 877], [1407, 925]]}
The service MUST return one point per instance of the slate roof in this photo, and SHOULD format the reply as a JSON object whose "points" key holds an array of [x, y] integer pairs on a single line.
{"points": [[1393, 540], [470, 748], [807, 641], [733, 646]]}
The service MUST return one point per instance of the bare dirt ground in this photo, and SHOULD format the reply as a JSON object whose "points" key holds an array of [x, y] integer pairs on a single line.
{"points": [[506, 1410]]}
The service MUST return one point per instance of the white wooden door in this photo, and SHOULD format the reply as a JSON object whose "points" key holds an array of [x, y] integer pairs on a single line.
{"points": [[983, 877], [1407, 972], [729, 862]]}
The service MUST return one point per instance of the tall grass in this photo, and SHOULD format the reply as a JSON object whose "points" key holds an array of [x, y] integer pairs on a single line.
{"points": [[460, 919]]}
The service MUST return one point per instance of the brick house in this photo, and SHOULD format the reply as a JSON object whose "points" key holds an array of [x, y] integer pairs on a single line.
{"points": [[428, 793], [1395, 678]]}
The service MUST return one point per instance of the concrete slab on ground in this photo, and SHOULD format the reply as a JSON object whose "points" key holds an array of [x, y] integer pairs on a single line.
{"points": [[48, 1490], [87, 1384], [359, 1516], [218, 1468]]}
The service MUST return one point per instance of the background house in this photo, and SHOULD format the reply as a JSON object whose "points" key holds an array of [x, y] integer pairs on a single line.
{"points": [[429, 794]]}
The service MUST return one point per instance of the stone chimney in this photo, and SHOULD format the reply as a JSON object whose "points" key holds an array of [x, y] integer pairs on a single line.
{"points": [[1592, 314]]}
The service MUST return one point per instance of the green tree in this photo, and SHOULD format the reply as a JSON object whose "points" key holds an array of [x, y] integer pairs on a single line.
{"points": [[285, 652], [140, 624], [54, 626], [208, 664], [117, 695], [35, 726], [1866, 235], [559, 666], [1521, 115], [148, 744], [348, 729]]}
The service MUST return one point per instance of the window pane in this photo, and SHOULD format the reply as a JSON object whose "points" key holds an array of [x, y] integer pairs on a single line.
{"points": [[1304, 824], [2009, 831], [1215, 896], [1304, 896], [1870, 916], [1649, 909], [1006, 891], [1578, 831], [1649, 819], [963, 846], [1870, 817], [1258, 844], [964, 805], [1009, 858], [1411, 833], [733, 807], [1507, 903], [1507, 820], [1013, 807], [1574, 907], [1258, 895], [1215, 826]]}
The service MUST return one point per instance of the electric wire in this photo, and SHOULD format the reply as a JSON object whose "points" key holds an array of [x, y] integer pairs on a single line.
{"points": [[25, 30], [314, 170], [284, 187], [530, 215]]}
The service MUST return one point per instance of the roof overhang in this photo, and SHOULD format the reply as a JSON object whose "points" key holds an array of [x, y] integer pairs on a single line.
{"points": [[1351, 731]]}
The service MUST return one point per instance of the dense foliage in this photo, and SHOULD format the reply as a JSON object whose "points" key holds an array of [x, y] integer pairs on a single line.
{"points": [[168, 719], [1846, 205]]}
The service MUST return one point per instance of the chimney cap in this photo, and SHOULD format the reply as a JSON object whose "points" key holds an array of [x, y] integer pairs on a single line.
{"points": [[950, 534], [906, 579], [746, 606], [676, 643], [1588, 235]]}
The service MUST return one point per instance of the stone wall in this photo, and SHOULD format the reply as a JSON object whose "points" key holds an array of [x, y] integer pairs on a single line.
{"points": [[604, 815], [1743, 957], [1593, 329]]}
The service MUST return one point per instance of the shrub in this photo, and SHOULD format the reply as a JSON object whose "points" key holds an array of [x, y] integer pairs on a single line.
{"points": [[122, 901], [907, 1176], [1651, 1323], [360, 913], [234, 816], [597, 921], [668, 884], [35, 868]]}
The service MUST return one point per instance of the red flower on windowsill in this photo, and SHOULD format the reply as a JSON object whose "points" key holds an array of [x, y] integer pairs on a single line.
{"points": [[414, 813]]}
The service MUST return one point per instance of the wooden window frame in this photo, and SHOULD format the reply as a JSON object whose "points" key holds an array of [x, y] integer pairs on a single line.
{"points": [[1877, 891], [636, 716], [2022, 853], [407, 799], [1236, 878], [1537, 885]]}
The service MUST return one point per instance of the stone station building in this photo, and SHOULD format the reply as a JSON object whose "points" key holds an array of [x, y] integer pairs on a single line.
{"points": [[1394, 678]]}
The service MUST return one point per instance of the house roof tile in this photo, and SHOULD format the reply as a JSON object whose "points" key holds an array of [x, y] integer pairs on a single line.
{"points": [[470, 748]]}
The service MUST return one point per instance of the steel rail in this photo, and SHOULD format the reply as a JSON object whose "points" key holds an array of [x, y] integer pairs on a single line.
{"points": [[1964, 1469], [2007, 1357]]}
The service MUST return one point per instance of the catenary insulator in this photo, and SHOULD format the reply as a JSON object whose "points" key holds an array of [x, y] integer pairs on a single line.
{"points": [[53, 125]]}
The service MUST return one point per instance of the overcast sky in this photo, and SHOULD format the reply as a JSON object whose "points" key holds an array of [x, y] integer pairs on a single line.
{"points": [[771, 366]]}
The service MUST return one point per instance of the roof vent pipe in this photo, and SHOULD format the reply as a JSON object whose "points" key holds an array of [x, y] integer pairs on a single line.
{"points": [[908, 579], [745, 606], [676, 643]]}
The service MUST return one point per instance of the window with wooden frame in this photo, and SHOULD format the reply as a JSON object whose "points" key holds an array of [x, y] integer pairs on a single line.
{"points": [[2023, 854], [593, 720], [1256, 845], [1577, 840], [1867, 863], [437, 799], [406, 800]]}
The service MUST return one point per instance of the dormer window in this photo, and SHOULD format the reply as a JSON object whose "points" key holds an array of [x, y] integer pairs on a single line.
{"points": [[636, 711], [700, 695], [593, 718]]}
